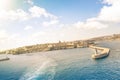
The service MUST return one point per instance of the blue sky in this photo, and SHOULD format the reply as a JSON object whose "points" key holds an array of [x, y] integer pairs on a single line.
{"points": [[27, 22], [71, 10]]}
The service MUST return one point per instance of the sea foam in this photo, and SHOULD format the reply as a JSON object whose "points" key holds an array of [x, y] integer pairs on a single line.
{"points": [[41, 71]]}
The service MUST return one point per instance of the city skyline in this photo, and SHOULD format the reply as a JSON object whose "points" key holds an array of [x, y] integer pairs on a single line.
{"points": [[27, 22]]}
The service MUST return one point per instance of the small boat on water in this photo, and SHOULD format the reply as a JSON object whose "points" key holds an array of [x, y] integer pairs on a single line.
{"points": [[104, 52]]}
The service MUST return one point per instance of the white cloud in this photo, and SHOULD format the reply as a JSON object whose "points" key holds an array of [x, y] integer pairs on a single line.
{"points": [[13, 15], [20, 14], [38, 34], [28, 27], [14, 40], [30, 2], [78, 30], [110, 13], [89, 25], [107, 16], [51, 23], [3, 34], [38, 12], [7, 40], [111, 2]]}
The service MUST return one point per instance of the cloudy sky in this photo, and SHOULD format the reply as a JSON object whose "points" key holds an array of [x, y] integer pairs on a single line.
{"points": [[27, 22]]}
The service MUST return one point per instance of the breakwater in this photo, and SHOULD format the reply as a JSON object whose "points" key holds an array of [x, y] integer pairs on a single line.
{"points": [[4, 59], [104, 52]]}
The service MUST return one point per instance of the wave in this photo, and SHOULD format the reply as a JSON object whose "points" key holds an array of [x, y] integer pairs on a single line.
{"points": [[44, 71]]}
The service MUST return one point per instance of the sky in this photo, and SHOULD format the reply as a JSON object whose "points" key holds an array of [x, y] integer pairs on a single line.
{"points": [[29, 22]]}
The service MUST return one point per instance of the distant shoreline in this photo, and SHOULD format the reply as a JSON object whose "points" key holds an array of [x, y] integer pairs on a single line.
{"points": [[60, 45]]}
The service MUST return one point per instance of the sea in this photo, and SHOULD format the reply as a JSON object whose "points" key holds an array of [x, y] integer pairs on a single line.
{"points": [[69, 64]]}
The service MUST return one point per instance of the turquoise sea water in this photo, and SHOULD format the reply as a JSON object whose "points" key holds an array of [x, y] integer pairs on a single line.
{"points": [[71, 64]]}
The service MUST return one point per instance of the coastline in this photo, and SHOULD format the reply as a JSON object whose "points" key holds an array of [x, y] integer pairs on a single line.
{"points": [[61, 45], [48, 47]]}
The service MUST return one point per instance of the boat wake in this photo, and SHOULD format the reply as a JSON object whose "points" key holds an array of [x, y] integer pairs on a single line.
{"points": [[44, 71]]}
